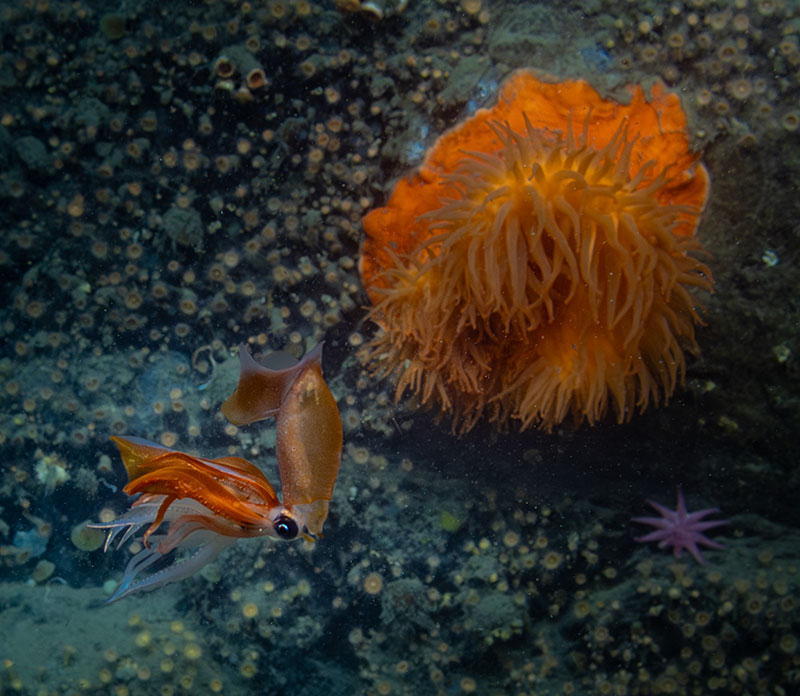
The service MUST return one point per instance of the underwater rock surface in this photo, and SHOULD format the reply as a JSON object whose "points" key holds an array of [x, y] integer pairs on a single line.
{"points": [[180, 179]]}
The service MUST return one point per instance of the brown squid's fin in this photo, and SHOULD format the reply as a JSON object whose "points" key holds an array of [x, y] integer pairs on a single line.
{"points": [[261, 391]]}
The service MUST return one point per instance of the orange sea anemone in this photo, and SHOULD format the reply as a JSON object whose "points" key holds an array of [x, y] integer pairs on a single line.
{"points": [[542, 259]]}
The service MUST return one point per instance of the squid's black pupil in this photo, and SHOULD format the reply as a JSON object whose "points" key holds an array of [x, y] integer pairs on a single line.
{"points": [[286, 527]]}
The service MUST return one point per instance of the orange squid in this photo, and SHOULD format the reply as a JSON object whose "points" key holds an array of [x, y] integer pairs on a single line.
{"points": [[209, 503]]}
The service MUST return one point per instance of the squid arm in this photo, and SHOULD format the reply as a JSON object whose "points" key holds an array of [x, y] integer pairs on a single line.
{"points": [[142, 457], [191, 526], [230, 487], [210, 546]]}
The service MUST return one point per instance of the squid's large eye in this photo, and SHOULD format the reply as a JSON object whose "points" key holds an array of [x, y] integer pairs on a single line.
{"points": [[286, 528]]}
